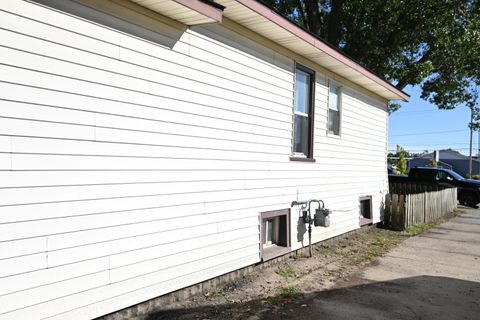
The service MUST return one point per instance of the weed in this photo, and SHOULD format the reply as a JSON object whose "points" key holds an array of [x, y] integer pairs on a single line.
{"points": [[285, 293], [287, 272], [373, 246], [275, 299], [382, 241], [371, 253], [214, 294], [456, 212], [289, 291], [218, 293], [417, 229], [325, 245], [295, 256]]}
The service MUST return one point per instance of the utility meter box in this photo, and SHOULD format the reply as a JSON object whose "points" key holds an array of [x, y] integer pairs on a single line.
{"points": [[321, 218]]}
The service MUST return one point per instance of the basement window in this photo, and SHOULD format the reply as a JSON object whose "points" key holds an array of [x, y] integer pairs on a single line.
{"points": [[366, 210], [275, 233]]}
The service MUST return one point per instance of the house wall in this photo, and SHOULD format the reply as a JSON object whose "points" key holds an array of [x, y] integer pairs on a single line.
{"points": [[131, 168], [463, 166]]}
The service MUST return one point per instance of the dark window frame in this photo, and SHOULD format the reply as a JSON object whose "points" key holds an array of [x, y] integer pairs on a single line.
{"points": [[311, 116], [274, 251]]}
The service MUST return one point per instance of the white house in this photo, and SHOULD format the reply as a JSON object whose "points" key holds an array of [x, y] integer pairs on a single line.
{"points": [[149, 145]]}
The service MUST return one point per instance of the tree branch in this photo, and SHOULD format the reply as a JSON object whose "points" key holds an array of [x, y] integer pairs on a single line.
{"points": [[313, 15], [302, 12], [333, 27], [402, 83]]}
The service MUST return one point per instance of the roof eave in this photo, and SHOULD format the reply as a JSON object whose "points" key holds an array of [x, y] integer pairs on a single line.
{"points": [[189, 12], [381, 87]]}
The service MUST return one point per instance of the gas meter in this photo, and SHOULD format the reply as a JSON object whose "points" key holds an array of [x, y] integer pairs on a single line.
{"points": [[322, 217]]}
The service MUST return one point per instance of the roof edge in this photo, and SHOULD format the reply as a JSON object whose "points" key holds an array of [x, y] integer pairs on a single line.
{"points": [[272, 15], [207, 8]]}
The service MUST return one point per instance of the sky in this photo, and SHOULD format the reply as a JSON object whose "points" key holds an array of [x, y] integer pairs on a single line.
{"points": [[420, 125]]}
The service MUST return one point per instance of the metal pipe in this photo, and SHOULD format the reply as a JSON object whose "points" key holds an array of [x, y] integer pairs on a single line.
{"points": [[308, 218], [310, 221], [298, 203], [310, 253]]}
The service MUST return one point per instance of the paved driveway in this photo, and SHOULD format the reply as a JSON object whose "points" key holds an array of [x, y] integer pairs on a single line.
{"points": [[432, 276]]}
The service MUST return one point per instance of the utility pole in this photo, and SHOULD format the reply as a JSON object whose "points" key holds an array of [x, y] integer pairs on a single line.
{"points": [[471, 135]]}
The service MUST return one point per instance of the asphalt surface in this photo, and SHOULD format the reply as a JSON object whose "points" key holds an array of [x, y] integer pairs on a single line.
{"points": [[432, 276]]}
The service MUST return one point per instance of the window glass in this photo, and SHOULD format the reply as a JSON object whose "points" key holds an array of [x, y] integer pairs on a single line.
{"points": [[302, 91], [303, 117], [333, 97], [302, 132], [334, 102], [271, 231], [334, 122], [455, 175], [441, 176]]}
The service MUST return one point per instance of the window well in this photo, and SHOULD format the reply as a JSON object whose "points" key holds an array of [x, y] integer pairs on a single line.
{"points": [[275, 233], [365, 210]]}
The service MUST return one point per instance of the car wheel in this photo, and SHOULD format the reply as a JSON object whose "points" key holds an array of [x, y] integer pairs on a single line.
{"points": [[468, 199]]}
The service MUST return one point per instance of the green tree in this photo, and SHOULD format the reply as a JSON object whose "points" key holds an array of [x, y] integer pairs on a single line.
{"points": [[401, 162], [431, 43]]}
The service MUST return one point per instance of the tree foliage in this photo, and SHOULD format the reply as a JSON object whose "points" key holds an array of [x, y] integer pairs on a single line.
{"points": [[401, 162], [432, 43]]}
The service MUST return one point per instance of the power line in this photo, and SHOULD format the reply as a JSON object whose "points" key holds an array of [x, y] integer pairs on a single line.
{"points": [[413, 112], [428, 144], [401, 111], [429, 132], [421, 150]]}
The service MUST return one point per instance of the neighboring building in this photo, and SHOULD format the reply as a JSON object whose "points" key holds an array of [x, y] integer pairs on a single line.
{"points": [[144, 149], [448, 159]]}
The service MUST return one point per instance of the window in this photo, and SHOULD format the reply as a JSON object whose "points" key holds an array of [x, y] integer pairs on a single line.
{"points": [[275, 233], [443, 176], [334, 106], [272, 232], [365, 210], [303, 113]]}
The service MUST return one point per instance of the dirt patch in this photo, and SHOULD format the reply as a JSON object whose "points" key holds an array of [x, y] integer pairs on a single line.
{"points": [[269, 289]]}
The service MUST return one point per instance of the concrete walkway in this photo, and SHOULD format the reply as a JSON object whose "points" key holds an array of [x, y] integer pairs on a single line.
{"points": [[432, 276]]}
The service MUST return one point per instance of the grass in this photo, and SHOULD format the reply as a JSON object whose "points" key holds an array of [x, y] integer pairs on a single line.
{"points": [[214, 294], [295, 256], [284, 294], [418, 229], [376, 244], [287, 272], [289, 291], [370, 246], [325, 245], [456, 212]]}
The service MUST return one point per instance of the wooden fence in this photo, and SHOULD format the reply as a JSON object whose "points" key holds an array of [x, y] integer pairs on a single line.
{"points": [[409, 204]]}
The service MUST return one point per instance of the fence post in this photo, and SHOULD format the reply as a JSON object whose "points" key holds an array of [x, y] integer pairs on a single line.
{"points": [[401, 211], [408, 204], [387, 217]]}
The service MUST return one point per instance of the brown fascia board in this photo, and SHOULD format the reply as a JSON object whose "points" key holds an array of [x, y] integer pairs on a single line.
{"points": [[275, 17], [206, 7]]}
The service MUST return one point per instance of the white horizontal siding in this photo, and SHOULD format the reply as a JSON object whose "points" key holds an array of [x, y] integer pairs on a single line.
{"points": [[130, 169]]}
